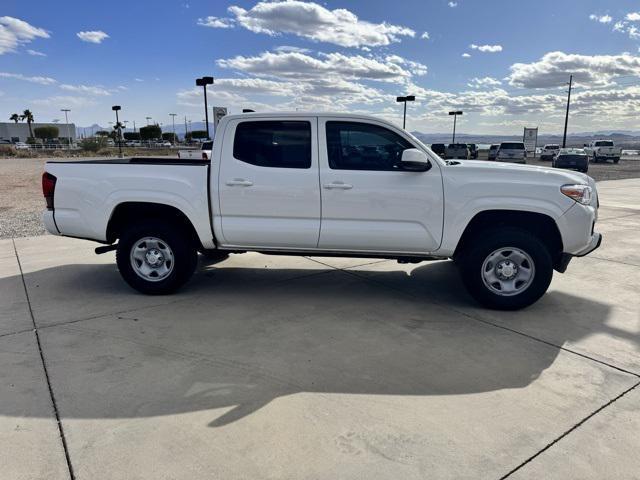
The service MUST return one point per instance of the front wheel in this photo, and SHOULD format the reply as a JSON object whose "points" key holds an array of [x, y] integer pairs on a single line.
{"points": [[155, 257], [506, 269]]}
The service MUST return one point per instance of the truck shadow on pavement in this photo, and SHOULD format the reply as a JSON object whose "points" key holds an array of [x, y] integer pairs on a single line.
{"points": [[236, 339]]}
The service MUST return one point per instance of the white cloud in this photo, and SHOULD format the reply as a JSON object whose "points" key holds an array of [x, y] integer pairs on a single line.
{"points": [[554, 68], [624, 27], [96, 36], [62, 100], [486, 48], [425, 36], [36, 53], [633, 16], [466, 55], [453, 4], [317, 23], [216, 22], [15, 32], [478, 82], [138, 79], [88, 89], [36, 79], [298, 65], [600, 18], [288, 48]]}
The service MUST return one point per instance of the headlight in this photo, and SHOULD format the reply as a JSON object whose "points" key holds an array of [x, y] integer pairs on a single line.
{"points": [[579, 193]]}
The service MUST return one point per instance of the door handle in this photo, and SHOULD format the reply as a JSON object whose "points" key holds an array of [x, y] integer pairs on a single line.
{"points": [[240, 182], [339, 185]]}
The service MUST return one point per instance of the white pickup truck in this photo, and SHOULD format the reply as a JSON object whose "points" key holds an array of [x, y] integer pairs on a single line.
{"points": [[203, 153], [329, 185], [603, 150]]}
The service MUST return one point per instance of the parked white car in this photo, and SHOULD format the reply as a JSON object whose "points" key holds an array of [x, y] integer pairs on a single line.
{"points": [[603, 150], [21, 146], [327, 185], [203, 153], [457, 151], [549, 151], [513, 152]]}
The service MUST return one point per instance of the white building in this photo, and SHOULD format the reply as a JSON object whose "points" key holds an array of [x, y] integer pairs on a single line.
{"points": [[19, 132]]}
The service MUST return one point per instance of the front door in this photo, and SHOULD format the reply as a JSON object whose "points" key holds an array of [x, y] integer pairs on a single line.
{"points": [[268, 183], [368, 202]]}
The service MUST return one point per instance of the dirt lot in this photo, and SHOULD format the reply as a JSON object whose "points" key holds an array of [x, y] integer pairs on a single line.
{"points": [[21, 201]]}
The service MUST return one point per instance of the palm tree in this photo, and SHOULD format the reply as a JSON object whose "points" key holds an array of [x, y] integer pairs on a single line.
{"points": [[117, 131], [28, 116], [14, 117]]}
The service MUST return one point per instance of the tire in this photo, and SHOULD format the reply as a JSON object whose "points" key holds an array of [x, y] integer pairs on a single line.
{"points": [[162, 242], [616, 160], [528, 253]]}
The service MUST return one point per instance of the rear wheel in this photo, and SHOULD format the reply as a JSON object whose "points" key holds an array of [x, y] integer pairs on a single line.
{"points": [[506, 268], [616, 160], [156, 257]]}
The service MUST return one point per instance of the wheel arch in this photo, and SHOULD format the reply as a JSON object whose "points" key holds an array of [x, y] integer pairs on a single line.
{"points": [[128, 212], [541, 225]]}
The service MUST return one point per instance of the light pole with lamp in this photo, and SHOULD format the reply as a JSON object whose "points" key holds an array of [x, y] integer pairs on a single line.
{"points": [[455, 117], [117, 108], [203, 82], [66, 119], [173, 121], [408, 98]]}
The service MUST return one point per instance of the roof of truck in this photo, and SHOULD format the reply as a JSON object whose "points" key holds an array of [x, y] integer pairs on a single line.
{"points": [[304, 114]]}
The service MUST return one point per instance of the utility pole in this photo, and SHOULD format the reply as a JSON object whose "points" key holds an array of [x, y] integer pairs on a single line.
{"points": [[185, 129], [566, 118], [66, 119], [173, 120]]}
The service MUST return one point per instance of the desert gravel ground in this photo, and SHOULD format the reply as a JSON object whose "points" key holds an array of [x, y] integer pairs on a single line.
{"points": [[21, 201]]}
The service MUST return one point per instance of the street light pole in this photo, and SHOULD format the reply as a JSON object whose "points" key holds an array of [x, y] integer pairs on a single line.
{"points": [[116, 108], [203, 82], [66, 119], [409, 98], [455, 117], [173, 121], [148, 118], [566, 117]]}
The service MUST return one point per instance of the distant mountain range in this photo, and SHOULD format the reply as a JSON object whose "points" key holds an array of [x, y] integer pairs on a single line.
{"points": [[180, 129]]}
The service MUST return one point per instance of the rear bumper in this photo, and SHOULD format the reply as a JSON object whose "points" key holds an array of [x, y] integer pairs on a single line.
{"points": [[50, 223]]}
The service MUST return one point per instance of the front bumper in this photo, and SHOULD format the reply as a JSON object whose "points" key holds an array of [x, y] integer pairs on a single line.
{"points": [[563, 262], [596, 241]]}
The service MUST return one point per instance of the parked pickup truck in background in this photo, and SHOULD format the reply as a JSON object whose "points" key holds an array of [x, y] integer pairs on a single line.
{"points": [[204, 153], [603, 150], [330, 185]]}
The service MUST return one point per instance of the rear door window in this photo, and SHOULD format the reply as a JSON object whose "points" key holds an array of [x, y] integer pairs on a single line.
{"points": [[275, 144]]}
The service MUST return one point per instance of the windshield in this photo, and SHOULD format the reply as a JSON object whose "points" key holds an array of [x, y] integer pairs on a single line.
{"points": [[551, 147], [604, 144], [512, 146]]}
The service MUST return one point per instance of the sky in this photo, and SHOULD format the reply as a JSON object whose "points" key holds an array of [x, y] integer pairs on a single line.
{"points": [[504, 63]]}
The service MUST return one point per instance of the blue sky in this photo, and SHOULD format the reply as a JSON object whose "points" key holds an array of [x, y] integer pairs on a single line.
{"points": [[502, 62]]}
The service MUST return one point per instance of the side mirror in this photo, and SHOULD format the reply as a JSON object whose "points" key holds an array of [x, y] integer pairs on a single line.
{"points": [[415, 160]]}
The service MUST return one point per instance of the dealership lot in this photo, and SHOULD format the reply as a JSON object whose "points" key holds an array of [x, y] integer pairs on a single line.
{"points": [[284, 367]]}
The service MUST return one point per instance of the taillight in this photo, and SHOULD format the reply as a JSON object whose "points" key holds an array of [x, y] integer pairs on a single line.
{"points": [[48, 188], [204, 156]]}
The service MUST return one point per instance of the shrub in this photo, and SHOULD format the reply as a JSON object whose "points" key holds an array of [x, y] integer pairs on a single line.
{"points": [[93, 144], [7, 151]]}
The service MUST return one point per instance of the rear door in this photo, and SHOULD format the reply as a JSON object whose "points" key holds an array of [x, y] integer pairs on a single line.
{"points": [[368, 203], [268, 187]]}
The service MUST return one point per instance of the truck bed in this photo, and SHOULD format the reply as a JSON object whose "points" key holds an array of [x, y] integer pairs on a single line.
{"points": [[139, 161]]}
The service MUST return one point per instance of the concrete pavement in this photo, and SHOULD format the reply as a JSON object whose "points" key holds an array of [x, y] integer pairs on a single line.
{"points": [[284, 367]]}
